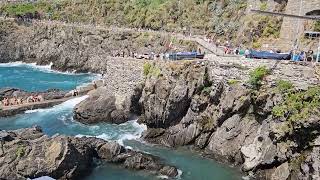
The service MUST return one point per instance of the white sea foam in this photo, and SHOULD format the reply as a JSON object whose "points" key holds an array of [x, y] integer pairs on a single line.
{"points": [[35, 110], [140, 128], [119, 138], [65, 105], [179, 174], [45, 68], [166, 177], [104, 136], [32, 65], [162, 177], [245, 177]]}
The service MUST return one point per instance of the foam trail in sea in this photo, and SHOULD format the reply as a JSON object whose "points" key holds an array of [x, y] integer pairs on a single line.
{"points": [[45, 68], [31, 65], [65, 105], [140, 128]]}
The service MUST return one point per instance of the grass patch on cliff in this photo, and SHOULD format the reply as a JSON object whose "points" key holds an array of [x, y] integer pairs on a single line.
{"points": [[296, 162], [151, 69], [233, 82], [316, 26], [207, 123], [206, 90], [18, 9], [284, 86], [257, 76], [299, 105], [20, 151]]}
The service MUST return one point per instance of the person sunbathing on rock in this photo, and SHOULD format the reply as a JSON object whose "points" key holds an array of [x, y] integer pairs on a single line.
{"points": [[6, 101], [29, 99], [16, 102], [40, 98], [35, 98], [12, 102], [20, 100]]}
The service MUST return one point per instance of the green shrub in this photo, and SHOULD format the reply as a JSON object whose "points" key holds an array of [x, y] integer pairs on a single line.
{"points": [[149, 69], [257, 75], [278, 111], [272, 29], [264, 6], [207, 123], [19, 9], [206, 90], [256, 45], [233, 81], [146, 68], [284, 86], [155, 71], [317, 26], [298, 106], [20, 151]]}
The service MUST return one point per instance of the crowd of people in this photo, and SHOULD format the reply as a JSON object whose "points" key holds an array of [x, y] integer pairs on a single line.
{"points": [[303, 56], [20, 101]]}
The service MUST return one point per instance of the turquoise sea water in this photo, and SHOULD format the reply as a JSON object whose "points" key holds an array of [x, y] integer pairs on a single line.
{"points": [[34, 78], [59, 119]]}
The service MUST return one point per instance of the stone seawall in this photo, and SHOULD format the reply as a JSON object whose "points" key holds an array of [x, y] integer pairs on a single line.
{"points": [[302, 75], [123, 75]]}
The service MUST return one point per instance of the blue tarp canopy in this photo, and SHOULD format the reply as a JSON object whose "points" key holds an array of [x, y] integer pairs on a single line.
{"points": [[185, 55], [268, 55]]}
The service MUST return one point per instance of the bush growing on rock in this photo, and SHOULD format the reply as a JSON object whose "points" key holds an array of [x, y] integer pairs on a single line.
{"points": [[233, 81], [150, 69], [20, 152], [146, 69], [257, 75], [284, 86], [297, 108]]}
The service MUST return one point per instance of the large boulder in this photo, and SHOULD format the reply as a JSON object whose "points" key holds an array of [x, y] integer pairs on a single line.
{"points": [[101, 106], [28, 153]]}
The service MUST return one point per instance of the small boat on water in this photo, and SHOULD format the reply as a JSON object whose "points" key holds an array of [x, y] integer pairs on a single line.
{"points": [[185, 55]]}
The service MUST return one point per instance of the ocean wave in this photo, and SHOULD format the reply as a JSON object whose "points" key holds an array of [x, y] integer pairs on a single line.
{"points": [[32, 65], [63, 106], [47, 68], [166, 177], [120, 135], [162, 177], [135, 136], [179, 174]]}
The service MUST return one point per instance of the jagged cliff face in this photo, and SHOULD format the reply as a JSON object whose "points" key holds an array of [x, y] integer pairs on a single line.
{"points": [[77, 47], [212, 107], [271, 131], [208, 105]]}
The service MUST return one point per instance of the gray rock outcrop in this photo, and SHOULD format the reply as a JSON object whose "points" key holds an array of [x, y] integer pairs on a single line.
{"points": [[212, 108], [47, 95], [104, 106], [28, 153]]}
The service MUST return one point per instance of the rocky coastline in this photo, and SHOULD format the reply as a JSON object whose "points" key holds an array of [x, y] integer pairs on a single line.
{"points": [[214, 108], [29, 153], [50, 97], [268, 125]]}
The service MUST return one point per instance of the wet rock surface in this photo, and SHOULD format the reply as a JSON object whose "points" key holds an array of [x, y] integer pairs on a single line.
{"points": [[28, 153]]}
